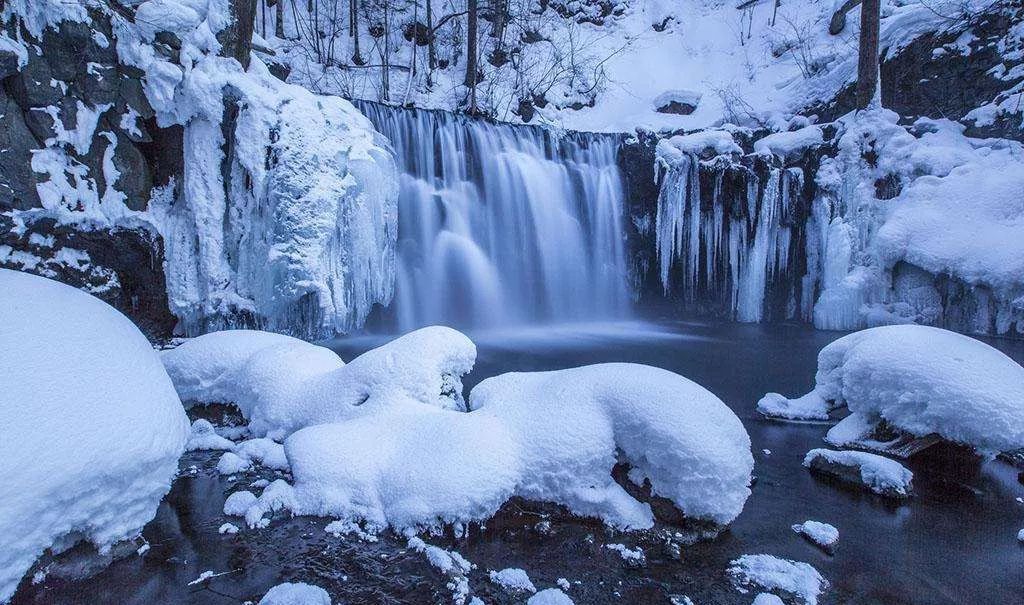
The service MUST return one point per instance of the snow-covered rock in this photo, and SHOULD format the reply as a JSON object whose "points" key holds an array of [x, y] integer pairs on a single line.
{"points": [[512, 579], [238, 503], [281, 384], [767, 598], [808, 407], [824, 535], [405, 464], [921, 380], [297, 593], [792, 578], [204, 437], [550, 596], [93, 427], [878, 474]]}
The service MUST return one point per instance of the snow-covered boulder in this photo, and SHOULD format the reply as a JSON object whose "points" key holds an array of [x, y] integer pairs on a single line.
{"points": [[416, 464], [296, 593], [281, 384], [388, 438], [550, 596], [920, 380], [681, 102], [92, 426], [875, 473], [822, 534], [793, 579], [672, 432]]}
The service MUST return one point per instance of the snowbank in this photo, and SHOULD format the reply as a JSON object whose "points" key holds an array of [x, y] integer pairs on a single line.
{"points": [[923, 380], [881, 475], [93, 427], [791, 578]]}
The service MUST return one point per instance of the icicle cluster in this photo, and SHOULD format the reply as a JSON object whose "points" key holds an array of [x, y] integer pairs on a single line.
{"points": [[726, 227]]}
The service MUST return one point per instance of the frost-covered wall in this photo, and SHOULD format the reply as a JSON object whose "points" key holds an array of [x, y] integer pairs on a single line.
{"points": [[270, 207], [918, 225], [847, 225]]}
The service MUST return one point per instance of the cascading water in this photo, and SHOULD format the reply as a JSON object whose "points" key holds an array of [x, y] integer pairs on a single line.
{"points": [[502, 224]]}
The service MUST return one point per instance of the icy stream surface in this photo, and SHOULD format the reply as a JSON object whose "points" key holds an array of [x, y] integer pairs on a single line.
{"points": [[954, 542]]}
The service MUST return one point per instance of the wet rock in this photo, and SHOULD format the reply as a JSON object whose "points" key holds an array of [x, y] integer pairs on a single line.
{"points": [[8, 63], [17, 180]]}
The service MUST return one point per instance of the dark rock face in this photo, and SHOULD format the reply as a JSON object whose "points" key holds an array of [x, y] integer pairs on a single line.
{"points": [[936, 77], [71, 80], [678, 108]]}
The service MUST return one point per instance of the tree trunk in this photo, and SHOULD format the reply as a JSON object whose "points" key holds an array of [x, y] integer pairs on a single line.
{"points": [[353, 7], [279, 19], [236, 38], [431, 56], [867, 60], [471, 52]]}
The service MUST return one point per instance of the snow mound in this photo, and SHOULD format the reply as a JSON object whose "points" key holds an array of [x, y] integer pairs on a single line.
{"points": [[513, 579], [281, 384], [877, 473], [406, 465], [296, 594], [791, 578], [788, 144], [809, 407], [924, 380], [550, 596], [822, 534], [204, 437], [767, 598], [387, 438], [207, 369], [93, 427], [716, 142], [671, 431]]}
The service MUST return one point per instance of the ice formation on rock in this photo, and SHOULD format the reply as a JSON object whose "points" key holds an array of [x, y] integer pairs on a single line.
{"points": [[93, 427], [729, 242], [926, 232]]}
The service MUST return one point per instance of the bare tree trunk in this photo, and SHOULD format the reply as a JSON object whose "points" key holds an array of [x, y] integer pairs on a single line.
{"points": [[471, 52], [867, 60], [353, 8], [431, 56], [236, 38], [279, 19]]}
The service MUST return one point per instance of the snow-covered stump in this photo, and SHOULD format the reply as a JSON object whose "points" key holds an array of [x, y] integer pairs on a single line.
{"points": [[907, 387], [870, 472], [93, 427]]}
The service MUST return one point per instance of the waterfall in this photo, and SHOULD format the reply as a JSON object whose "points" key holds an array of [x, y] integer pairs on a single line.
{"points": [[727, 227], [503, 224]]}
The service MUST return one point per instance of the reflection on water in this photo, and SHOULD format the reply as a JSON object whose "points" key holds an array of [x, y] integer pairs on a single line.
{"points": [[954, 542]]}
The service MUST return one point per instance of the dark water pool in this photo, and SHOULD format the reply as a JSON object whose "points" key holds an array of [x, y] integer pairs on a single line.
{"points": [[953, 543]]}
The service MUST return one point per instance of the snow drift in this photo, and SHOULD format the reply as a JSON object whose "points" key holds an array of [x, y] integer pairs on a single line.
{"points": [[93, 427]]}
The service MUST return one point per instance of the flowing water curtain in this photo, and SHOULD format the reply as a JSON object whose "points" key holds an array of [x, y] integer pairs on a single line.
{"points": [[502, 225]]}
